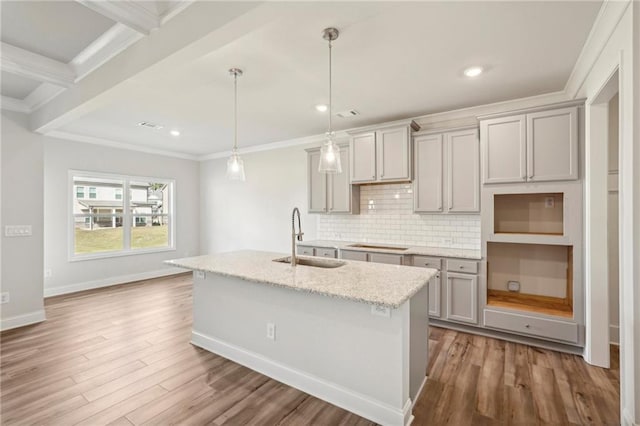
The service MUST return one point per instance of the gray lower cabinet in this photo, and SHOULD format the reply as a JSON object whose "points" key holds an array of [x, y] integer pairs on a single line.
{"points": [[354, 255], [327, 252], [305, 251], [462, 297], [435, 284], [534, 326], [391, 259]]}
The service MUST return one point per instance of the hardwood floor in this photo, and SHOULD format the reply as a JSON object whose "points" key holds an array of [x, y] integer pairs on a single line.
{"points": [[122, 356]]}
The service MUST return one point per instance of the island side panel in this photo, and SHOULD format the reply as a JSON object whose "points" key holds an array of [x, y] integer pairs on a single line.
{"points": [[332, 348], [418, 342]]}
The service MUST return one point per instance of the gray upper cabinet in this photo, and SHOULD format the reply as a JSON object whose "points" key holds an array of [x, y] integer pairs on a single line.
{"points": [[538, 146], [363, 157], [463, 171], [427, 186], [552, 145], [331, 193], [382, 154], [447, 172]]}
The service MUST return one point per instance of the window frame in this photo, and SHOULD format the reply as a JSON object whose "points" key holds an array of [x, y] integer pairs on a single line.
{"points": [[127, 216]]}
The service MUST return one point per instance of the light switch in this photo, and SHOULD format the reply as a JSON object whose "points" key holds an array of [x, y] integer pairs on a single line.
{"points": [[17, 230]]}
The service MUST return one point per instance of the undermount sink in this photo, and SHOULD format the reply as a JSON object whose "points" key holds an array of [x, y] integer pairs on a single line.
{"points": [[367, 246], [316, 263]]}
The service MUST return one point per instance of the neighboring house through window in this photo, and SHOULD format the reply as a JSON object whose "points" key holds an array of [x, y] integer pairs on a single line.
{"points": [[106, 225]]}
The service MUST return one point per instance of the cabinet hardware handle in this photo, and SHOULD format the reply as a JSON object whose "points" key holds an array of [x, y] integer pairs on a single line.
{"points": [[373, 177], [527, 326], [461, 267]]}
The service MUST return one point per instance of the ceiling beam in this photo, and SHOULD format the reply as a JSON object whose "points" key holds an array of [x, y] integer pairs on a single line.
{"points": [[199, 30], [13, 104], [37, 67], [127, 12]]}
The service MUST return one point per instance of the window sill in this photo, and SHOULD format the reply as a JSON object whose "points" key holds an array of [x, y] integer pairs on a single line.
{"points": [[121, 253]]}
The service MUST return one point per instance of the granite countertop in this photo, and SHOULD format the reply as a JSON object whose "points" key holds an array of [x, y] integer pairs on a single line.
{"points": [[372, 283], [418, 250]]}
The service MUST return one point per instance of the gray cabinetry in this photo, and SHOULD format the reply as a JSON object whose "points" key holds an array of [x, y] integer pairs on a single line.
{"points": [[435, 284], [447, 172], [462, 297], [537, 146], [331, 193], [382, 154], [391, 259]]}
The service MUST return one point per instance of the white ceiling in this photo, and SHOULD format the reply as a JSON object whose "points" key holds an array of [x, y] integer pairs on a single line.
{"points": [[392, 60], [15, 86]]}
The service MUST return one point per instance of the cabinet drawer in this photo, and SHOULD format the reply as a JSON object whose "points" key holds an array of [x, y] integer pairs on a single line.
{"points": [[427, 262], [524, 324], [392, 259], [305, 250], [353, 255], [326, 252], [464, 266]]}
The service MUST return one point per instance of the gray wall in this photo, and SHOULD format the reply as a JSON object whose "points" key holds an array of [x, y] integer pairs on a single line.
{"points": [[255, 214], [22, 204], [61, 156]]}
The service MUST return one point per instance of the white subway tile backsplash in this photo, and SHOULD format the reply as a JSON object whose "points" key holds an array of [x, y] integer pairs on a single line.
{"points": [[386, 216]]}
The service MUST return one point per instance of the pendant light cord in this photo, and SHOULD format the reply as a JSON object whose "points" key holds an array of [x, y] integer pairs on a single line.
{"points": [[235, 112], [330, 91]]}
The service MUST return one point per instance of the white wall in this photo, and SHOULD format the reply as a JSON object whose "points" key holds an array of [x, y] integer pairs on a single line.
{"points": [[256, 213], [59, 157], [22, 204]]}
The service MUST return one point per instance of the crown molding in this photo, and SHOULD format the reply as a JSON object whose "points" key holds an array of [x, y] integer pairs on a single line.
{"points": [[605, 24], [307, 140], [118, 145], [12, 104], [34, 66], [42, 94], [109, 44], [126, 12], [175, 7]]}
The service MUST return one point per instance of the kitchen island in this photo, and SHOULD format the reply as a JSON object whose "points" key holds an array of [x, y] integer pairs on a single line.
{"points": [[354, 334]]}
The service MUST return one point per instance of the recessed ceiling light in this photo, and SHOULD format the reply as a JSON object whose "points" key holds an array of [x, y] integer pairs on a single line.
{"points": [[473, 71], [321, 107], [175, 132], [150, 125]]}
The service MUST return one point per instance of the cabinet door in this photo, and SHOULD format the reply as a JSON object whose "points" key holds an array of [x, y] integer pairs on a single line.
{"points": [[340, 186], [427, 186], [552, 145], [434, 296], [394, 154], [391, 259], [317, 184], [462, 297], [463, 171], [353, 255], [363, 157], [503, 142]]}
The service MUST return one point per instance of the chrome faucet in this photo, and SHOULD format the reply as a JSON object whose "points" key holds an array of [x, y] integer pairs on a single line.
{"points": [[295, 235]]}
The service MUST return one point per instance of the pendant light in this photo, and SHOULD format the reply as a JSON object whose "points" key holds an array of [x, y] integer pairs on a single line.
{"points": [[235, 165], [330, 152]]}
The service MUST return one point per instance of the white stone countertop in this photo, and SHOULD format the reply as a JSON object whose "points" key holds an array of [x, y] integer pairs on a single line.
{"points": [[418, 250], [371, 283]]}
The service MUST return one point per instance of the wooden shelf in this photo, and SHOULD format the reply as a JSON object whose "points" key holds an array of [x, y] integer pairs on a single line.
{"points": [[530, 302]]}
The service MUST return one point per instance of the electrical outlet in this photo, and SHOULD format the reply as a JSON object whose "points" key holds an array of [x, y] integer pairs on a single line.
{"points": [[271, 331], [17, 230], [4, 298], [549, 202], [513, 286], [47, 273]]}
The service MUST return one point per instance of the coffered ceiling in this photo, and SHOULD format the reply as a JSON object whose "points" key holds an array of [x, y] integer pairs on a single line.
{"points": [[393, 60]]}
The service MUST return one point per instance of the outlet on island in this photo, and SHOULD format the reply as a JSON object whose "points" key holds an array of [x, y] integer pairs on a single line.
{"points": [[271, 331]]}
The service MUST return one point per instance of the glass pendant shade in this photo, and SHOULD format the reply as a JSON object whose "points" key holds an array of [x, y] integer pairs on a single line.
{"points": [[330, 158], [235, 167]]}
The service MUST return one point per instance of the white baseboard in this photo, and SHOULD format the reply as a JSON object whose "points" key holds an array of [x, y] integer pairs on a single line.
{"points": [[22, 320], [627, 420], [614, 334], [355, 402], [106, 282]]}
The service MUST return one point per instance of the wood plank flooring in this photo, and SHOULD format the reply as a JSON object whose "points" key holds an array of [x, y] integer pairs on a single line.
{"points": [[121, 356]]}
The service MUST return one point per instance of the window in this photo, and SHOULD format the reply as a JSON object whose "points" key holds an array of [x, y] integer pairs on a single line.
{"points": [[106, 225]]}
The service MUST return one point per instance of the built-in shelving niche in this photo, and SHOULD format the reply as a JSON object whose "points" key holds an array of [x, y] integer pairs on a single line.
{"points": [[534, 213], [544, 273]]}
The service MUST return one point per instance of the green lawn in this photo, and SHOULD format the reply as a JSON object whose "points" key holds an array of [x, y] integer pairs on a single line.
{"points": [[110, 239]]}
